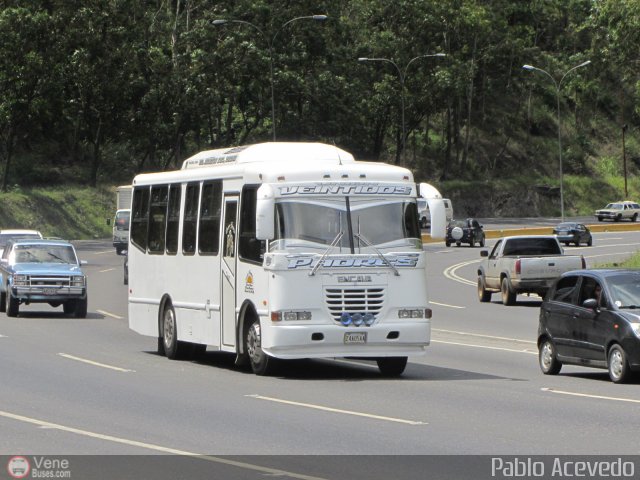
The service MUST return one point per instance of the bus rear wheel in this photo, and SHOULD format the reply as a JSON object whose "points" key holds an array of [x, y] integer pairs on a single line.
{"points": [[261, 363]]}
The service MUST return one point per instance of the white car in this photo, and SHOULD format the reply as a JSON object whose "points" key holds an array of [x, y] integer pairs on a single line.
{"points": [[15, 234], [619, 211]]}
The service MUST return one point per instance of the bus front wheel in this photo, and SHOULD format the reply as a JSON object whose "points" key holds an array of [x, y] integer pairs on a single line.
{"points": [[261, 363], [173, 348], [392, 366]]}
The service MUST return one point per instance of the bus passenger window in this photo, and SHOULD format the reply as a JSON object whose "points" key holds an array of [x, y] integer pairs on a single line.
{"points": [[190, 220], [249, 247], [210, 208]]}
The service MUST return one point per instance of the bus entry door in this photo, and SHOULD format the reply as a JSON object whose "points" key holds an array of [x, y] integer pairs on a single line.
{"points": [[228, 281]]}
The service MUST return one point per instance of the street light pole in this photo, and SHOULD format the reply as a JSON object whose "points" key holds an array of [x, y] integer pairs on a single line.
{"points": [[558, 85], [270, 42], [402, 75]]}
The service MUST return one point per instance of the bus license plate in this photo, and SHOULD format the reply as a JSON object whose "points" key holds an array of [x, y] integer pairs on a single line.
{"points": [[355, 337]]}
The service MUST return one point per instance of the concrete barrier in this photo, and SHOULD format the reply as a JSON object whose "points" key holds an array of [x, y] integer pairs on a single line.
{"points": [[507, 232]]}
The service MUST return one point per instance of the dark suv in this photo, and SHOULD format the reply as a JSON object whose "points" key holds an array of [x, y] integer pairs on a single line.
{"points": [[592, 318], [464, 231]]}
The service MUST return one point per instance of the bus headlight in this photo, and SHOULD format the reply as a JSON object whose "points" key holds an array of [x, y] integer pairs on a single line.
{"points": [[20, 280], [291, 315], [411, 313]]}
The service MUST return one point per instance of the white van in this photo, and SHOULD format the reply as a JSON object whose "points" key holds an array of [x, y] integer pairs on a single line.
{"points": [[425, 216]]}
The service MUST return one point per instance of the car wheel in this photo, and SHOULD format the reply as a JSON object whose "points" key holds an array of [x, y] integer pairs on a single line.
{"points": [[69, 306], [618, 365], [549, 363], [173, 348], [80, 310], [508, 295], [618, 218], [261, 363], [577, 242], [458, 244], [447, 243], [635, 217], [599, 219], [3, 302], [483, 295], [566, 244], [13, 306], [482, 242], [590, 241], [391, 366]]}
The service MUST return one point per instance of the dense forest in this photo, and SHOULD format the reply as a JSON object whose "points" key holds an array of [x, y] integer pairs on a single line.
{"points": [[99, 90]]}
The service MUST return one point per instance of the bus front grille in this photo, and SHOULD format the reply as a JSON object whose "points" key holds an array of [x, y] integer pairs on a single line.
{"points": [[354, 300]]}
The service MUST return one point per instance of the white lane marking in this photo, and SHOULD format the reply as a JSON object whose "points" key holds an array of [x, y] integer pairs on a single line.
{"points": [[107, 314], [157, 448], [95, 364], [103, 252], [586, 395], [337, 410], [445, 305], [483, 336], [486, 346], [3, 336], [450, 272], [106, 270]]}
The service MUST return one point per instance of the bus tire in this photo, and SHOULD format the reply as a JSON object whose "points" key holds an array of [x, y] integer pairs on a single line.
{"points": [[391, 366], [261, 363], [174, 349]]}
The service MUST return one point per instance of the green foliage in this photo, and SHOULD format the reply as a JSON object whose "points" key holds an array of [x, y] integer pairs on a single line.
{"points": [[100, 91], [69, 212]]}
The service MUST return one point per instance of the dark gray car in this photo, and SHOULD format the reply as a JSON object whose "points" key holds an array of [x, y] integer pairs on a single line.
{"points": [[592, 318]]}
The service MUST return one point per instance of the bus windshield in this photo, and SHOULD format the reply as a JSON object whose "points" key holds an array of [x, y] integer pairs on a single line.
{"points": [[384, 224]]}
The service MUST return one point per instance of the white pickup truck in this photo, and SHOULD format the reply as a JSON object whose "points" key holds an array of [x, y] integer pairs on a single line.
{"points": [[523, 264]]}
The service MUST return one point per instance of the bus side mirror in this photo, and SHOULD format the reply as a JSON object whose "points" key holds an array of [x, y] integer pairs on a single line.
{"points": [[265, 213], [438, 218]]}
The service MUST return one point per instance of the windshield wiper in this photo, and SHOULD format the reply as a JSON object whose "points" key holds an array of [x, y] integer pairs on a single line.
{"points": [[57, 257], [326, 252], [380, 254], [630, 307]]}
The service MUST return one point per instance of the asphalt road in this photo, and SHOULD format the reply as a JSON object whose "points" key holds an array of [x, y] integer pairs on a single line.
{"points": [[93, 387]]}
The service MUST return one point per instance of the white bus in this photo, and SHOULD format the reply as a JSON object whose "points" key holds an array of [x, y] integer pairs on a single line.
{"points": [[281, 251]]}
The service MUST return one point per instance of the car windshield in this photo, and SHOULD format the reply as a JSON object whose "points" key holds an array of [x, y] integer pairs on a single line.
{"points": [[44, 254], [566, 226], [385, 224], [615, 206], [122, 220], [625, 290], [458, 223]]}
